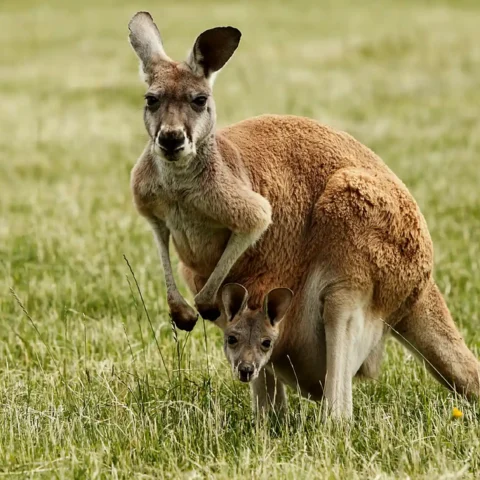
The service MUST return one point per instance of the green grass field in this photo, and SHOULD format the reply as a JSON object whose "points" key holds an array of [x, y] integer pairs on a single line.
{"points": [[84, 392]]}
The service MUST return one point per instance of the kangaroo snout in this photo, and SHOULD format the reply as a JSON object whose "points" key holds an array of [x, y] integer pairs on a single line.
{"points": [[245, 372], [171, 141]]}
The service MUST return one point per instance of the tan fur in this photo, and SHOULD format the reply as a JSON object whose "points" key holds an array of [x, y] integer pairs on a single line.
{"points": [[285, 201]]}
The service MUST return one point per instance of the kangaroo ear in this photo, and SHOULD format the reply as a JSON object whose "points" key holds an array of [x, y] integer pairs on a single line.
{"points": [[234, 299], [212, 49], [276, 304], [147, 43]]}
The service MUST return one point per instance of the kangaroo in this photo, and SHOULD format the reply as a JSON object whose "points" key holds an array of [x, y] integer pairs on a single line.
{"points": [[283, 200]]}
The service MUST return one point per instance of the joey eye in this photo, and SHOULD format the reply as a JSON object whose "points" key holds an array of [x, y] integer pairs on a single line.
{"points": [[200, 101], [266, 343], [231, 340], [152, 101]]}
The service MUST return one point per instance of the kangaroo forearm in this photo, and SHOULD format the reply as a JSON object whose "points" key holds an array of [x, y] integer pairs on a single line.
{"points": [[162, 237], [236, 246], [247, 217]]}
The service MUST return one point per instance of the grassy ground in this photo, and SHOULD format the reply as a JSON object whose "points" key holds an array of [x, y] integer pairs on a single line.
{"points": [[84, 392]]}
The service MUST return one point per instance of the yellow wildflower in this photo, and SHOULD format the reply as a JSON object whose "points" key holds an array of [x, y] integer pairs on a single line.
{"points": [[457, 413]]}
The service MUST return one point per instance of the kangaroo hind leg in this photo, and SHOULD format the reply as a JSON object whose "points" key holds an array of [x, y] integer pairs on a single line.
{"points": [[429, 331], [344, 322]]}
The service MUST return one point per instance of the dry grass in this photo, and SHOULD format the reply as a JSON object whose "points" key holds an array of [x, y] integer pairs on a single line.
{"points": [[83, 390]]}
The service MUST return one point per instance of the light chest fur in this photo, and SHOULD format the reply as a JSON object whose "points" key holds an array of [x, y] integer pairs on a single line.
{"points": [[168, 195]]}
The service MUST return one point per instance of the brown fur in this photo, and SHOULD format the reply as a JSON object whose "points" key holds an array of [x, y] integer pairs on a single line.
{"points": [[286, 201], [334, 203], [429, 331]]}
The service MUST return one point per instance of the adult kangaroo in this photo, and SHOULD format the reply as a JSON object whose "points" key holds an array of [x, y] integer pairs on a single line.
{"points": [[285, 201]]}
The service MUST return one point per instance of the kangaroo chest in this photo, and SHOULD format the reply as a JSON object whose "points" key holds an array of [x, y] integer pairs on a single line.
{"points": [[198, 239]]}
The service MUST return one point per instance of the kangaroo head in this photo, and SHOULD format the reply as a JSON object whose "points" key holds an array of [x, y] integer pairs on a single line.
{"points": [[179, 112], [250, 335]]}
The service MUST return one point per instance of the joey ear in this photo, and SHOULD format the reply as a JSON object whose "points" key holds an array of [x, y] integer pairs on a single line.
{"points": [[146, 41], [276, 304], [234, 299], [212, 49]]}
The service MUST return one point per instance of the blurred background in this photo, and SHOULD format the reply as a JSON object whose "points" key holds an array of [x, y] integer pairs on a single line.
{"points": [[403, 77]]}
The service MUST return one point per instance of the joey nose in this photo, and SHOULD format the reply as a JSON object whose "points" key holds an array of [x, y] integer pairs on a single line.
{"points": [[171, 141], [245, 372]]}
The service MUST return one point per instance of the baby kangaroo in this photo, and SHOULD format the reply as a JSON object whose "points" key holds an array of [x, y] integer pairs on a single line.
{"points": [[278, 345], [283, 200]]}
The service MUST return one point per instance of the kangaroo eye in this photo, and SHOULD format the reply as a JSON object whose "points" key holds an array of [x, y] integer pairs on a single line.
{"points": [[232, 340], [200, 101], [151, 100], [266, 343]]}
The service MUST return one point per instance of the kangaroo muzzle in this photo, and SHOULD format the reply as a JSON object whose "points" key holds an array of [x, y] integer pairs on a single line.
{"points": [[171, 143], [246, 372]]}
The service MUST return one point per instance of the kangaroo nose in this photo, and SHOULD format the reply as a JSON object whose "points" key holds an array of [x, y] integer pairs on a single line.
{"points": [[245, 372], [171, 141]]}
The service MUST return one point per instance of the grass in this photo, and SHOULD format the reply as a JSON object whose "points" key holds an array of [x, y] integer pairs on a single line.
{"points": [[83, 389]]}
